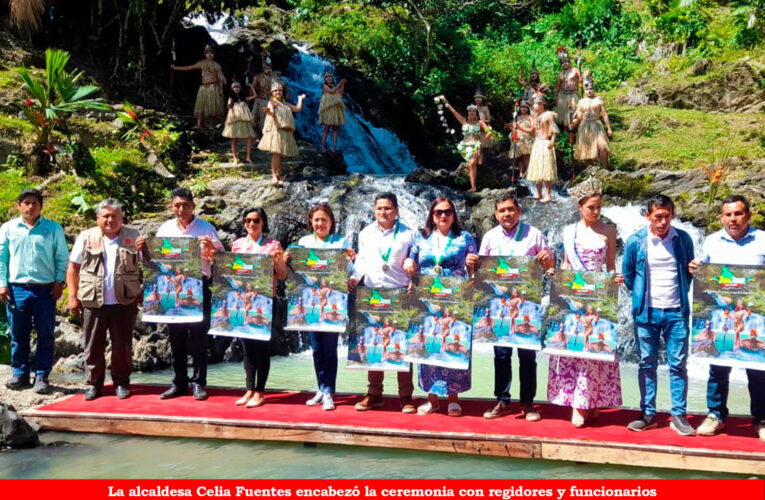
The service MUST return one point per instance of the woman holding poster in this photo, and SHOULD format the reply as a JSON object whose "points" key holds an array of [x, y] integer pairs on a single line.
{"points": [[442, 248], [324, 344], [586, 384], [257, 354]]}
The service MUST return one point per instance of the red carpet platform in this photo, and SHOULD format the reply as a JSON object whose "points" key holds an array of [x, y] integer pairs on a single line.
{"points": [[285, 417]]}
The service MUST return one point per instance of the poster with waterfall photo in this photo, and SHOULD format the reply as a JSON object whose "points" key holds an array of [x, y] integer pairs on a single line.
{"points": [[507, 297], [384, 316], [443, 332], [728, 323], [583, 315], [172, 291], [242, 290], [317, 290]]}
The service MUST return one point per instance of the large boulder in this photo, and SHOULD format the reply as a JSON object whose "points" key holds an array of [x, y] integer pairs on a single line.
{"points": [[15, 432]]}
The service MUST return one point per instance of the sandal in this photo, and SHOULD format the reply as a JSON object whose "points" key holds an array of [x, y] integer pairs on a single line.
{"points": [[427, 409], [454, 410]]}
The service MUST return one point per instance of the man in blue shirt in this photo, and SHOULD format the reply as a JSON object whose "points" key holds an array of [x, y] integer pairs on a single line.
{"points": [[33, 259], [739, 244], [656, 270]]}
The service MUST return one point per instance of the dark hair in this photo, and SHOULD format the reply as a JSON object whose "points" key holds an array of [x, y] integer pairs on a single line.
{"points": [[182, 192], [734, 198], [261, 213], [659, 200], [507, 197], [387, 196], [322, 207], [430, 225], [30, 192]]}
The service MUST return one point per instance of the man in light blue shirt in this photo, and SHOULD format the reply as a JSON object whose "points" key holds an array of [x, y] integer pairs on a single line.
{"points": [[737, 243], [33, 260]]}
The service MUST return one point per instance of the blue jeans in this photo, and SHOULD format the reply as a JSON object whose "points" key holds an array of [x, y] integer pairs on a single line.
{"points": [[31, 305], [503, 374], [324, 345], [717, 392], [673, 327]]}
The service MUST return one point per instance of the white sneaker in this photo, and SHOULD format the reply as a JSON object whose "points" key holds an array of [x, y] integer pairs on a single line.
{"points": [[710, 426], [326, 403], [316, 399]]}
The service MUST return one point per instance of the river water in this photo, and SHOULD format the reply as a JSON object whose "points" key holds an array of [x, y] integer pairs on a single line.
{"points": [[383, 158]]}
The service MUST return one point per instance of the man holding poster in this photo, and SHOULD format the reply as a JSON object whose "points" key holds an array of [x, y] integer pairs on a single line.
{"points": [[737, 243], [193, 336], [383, 247], [513, 237]]}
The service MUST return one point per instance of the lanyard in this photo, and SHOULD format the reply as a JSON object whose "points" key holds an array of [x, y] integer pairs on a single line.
{"points": [[316, 238], [385, 256], [576, 252], [260, 241], [518, 237], [440, 258]]}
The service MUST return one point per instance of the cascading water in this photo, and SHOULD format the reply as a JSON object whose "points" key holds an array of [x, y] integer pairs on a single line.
{"points": [[366, 149]]}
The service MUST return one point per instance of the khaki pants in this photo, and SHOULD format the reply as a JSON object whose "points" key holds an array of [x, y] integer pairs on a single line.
{"points": [[119, 320], [405, 385]]}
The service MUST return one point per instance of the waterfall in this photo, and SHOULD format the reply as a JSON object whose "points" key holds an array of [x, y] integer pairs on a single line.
{"points": [[366, 149]]}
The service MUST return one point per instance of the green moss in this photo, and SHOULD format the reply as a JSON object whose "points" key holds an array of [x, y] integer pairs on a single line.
{"points": [[633, 189], [12, 182]]}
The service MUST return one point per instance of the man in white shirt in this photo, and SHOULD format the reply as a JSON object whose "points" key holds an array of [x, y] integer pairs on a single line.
{"points": [[104, 281], [738, 244], [190, 338], [383, 247], [656, 270], [513, 237]]}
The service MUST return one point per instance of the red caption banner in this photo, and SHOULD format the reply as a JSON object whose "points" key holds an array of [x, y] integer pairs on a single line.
{"points": [[743, 489]]}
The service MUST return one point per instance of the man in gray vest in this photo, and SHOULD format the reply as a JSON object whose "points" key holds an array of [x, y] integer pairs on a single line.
{"points": [[104, 280]]}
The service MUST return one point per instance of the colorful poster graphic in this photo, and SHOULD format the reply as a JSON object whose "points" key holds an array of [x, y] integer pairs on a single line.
{"points": [[729, 316], [172, 291], [317, 290], [242, 290], [507, 300], [443, 334], [583, 315], [384, 316]]}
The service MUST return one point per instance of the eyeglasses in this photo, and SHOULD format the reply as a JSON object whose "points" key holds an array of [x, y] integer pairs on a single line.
{"points": [[252, 221], [440, 213]]}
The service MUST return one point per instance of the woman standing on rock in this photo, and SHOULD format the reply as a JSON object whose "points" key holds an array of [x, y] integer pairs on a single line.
{"points": [[324, 344], [542, 164], [331, 108], [589, 245], [533, 88], [470, 146], [520, 149], [238, 123], [257, 353], [591, 138], [209, 103], [279, 129], [443, 248]]}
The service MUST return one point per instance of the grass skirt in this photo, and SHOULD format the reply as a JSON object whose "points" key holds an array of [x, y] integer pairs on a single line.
{"points": [[331, 110], [565, 100], [209, 101], [279, 140], [590, 136], [238, 122], [542, 165], [523, 146]]}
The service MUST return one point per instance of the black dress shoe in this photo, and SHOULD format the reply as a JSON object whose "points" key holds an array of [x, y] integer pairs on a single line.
{"points": [[173, 392], [122, 392], [41, 384], [92, 392], [18, 382], [200, 394]]}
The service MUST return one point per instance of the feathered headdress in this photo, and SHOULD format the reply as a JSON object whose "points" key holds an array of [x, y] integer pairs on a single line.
{"points": [[562, 53], [479, 92], [209, 48], [534, 68], [587, 78]]}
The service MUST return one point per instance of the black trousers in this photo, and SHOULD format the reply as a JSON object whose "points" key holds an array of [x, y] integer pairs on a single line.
{"points": [[190, 339], [257, 363]]}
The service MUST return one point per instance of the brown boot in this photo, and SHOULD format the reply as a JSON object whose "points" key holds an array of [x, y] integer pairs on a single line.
{"points": [[370, 402], [407, 406]]}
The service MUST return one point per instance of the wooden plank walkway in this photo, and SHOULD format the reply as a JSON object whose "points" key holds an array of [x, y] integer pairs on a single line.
{"points": [[286, 418]]}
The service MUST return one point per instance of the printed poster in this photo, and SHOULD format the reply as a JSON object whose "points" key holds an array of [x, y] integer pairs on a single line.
{"points": [[583, 315], [317, 290], [384, 316], [507, 300], [242, 290], [728, 323], [443, 335], [172, 291]]}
